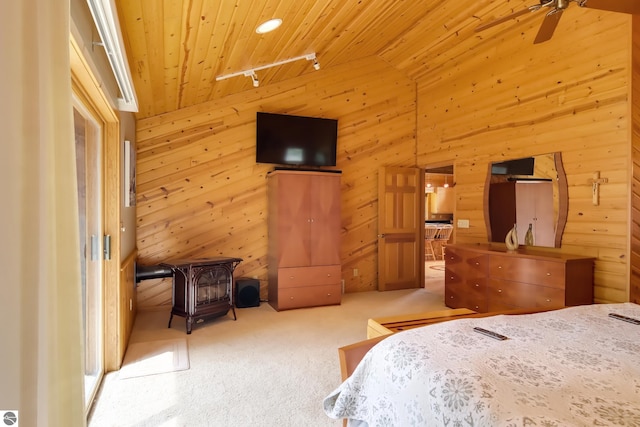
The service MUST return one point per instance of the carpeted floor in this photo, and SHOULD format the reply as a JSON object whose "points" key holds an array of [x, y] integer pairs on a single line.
{"points": [[155, 357], [267, 368]]}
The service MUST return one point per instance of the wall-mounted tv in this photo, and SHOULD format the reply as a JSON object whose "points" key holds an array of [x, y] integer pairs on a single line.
{"points": [[514, 167], [296, 140]]}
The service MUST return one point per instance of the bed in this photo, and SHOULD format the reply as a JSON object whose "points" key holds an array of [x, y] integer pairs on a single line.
{"points": [[569, 367]]}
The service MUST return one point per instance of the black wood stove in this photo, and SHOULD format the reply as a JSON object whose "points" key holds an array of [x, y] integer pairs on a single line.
{"points": [[202, 288]]}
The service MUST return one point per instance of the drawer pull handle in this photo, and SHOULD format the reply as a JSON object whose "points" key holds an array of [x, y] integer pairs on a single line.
{"points": [[477, 263], [328, 274], [477, 306], [451, 297], [548, 300], [499, 290], [548, 274], [477, 285], [290, 277], [328, 295]]}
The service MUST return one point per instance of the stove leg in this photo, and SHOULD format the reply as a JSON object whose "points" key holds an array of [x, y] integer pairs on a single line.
{"points": [[170, 319], [234, 313], [189, 325]]}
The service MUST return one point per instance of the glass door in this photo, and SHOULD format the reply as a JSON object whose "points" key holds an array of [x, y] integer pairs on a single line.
{"points": [[89, 173]]}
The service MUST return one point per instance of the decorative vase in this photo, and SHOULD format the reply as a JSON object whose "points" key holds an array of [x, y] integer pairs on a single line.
{"points": [[512, 239], [528, 238]]}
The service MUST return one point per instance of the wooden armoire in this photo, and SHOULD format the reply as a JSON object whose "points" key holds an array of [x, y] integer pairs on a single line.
{"points": [[304, 239], [522, 203]]}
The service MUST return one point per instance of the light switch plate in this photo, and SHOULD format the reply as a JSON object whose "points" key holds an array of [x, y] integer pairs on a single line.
{"points": [[463, 223]]}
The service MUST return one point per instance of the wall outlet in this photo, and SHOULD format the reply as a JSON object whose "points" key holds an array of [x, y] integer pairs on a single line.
{"points": [[342, 281], [355, 272], [463, 223]]}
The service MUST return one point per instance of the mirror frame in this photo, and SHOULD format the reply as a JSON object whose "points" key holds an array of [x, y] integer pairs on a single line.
{"points": [[563, 201]]}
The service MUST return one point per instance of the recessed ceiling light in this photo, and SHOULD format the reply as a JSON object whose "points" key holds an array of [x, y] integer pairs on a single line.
{"points": [[270, 25]]}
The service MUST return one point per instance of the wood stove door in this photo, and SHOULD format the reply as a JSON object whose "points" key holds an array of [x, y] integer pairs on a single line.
{"points": [[212, 290]]}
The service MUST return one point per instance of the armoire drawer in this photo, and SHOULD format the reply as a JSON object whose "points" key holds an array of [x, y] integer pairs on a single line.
{"points": [[292, 277], [309, 296], [528, 270]]}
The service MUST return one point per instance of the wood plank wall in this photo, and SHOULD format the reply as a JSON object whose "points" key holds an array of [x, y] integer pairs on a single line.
{"points": [[127, 310], [201, 194], [635, 154], [516, 99]]}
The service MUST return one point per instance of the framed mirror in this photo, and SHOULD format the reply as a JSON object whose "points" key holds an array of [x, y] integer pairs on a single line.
{"points": [[530, 193]]}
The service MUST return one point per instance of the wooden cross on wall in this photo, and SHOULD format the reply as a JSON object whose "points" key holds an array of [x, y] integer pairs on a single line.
{"points": [[595, 187]]}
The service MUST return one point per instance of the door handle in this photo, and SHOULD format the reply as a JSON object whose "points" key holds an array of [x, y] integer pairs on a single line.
{"points": [[95, 244], [107, 247]]}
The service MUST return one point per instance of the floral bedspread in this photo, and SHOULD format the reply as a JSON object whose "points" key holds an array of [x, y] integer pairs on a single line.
{"points": [[571, 367]]}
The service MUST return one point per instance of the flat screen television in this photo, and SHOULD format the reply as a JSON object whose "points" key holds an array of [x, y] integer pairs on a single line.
{"points": [[514, 167], [296, 140]]}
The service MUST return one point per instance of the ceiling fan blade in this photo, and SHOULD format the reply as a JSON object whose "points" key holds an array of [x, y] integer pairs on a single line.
{"points": [[623, 6], [548, 26], [530, 9]]}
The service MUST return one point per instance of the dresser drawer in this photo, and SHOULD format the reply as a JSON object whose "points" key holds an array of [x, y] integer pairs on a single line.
{"points": [[468, 263], [528, 270], [308, 296], [518, 294], [309, 276], [455, 297]]}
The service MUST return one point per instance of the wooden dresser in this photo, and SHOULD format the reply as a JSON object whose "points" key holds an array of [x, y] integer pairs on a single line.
{"points": [[487, 277], [304, 239]]}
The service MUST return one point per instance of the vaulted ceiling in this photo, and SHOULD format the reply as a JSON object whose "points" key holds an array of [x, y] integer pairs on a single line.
{"points": [[177, 48]]}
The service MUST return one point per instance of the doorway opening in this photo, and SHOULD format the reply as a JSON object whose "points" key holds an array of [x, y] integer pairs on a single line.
{"points": [[439, 200]]}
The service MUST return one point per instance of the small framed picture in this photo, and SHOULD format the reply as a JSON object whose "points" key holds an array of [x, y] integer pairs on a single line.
{"points": [[129, 174]]}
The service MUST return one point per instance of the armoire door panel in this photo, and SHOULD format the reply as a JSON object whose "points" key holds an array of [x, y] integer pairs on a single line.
{"points": [[325, 219], [293, 221]]}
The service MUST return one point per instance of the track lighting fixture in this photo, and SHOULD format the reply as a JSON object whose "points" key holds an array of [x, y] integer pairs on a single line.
{"points": [[252, 72]]}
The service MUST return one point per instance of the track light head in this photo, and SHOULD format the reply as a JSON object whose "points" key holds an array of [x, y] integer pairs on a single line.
{"points": [[312, 57], [254, 77]]}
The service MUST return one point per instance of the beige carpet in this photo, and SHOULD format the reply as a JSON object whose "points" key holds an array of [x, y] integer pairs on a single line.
{"points": [[434, 269], [265, 369], [155, 357]]}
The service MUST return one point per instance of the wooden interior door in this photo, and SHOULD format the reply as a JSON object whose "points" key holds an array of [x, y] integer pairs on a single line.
{"points": [[400, 228]]}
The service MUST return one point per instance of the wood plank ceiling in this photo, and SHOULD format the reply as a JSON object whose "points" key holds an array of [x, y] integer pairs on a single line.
{"points": [[177, 48]]}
